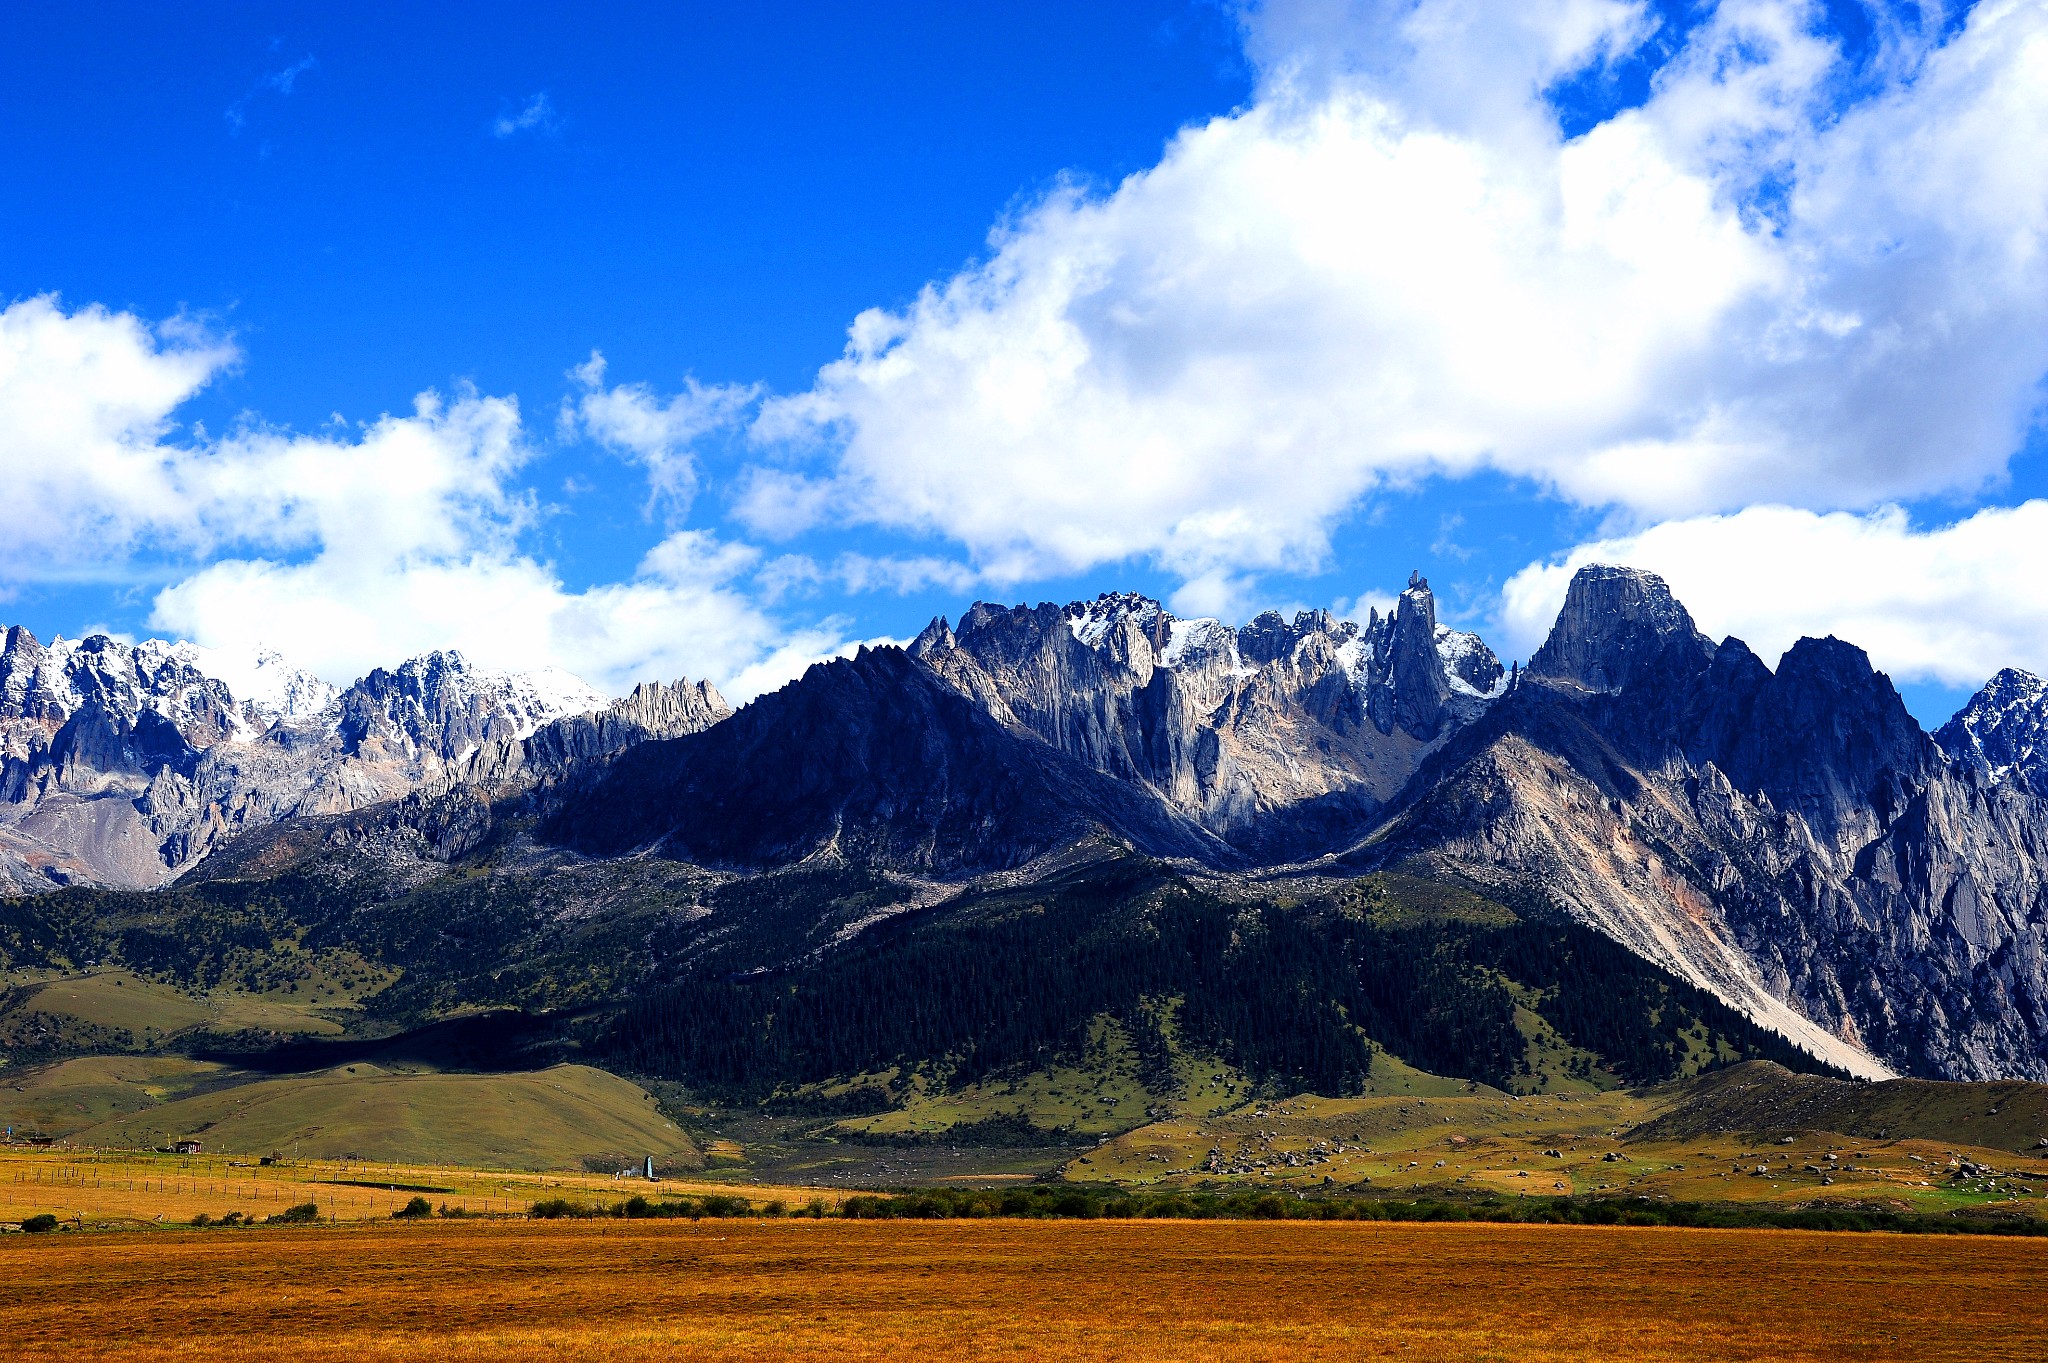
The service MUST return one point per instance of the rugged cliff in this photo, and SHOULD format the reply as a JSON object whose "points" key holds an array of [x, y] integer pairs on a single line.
{"points": [[1277, 737], [1791, 840]]}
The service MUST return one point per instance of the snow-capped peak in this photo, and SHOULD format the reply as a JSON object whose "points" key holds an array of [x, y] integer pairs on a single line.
{"points": [[266, 685], [2005, 725], [1201, 640], [541, 696]]}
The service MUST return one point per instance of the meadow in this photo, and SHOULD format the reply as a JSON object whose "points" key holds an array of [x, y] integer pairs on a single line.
{"points": [[1140, 1292]]}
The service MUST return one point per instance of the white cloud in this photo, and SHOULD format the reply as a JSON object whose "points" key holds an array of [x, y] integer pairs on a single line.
{"points": [[658, 435], [685, 612], [356, 547], [1392, 265], [1951, 604], [856, 572], [537, 114]]}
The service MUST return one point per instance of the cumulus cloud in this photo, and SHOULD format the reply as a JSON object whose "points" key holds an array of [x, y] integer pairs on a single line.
{"points": [[1779, 279], [1949, 604], [629, 419], [348, 549], [686, 611]]}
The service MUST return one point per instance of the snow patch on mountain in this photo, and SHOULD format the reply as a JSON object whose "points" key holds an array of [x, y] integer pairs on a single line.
{"points": [[1201, 641], [1091, 621], [1469, 665]]}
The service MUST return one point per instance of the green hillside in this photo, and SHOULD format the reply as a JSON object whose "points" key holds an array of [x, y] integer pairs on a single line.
{"points": [[56, 1100], [550, 1119]]}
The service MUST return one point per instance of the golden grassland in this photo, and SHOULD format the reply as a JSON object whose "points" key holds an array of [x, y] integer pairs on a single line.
{"points": [[1135, 1291], [125, 1188]]}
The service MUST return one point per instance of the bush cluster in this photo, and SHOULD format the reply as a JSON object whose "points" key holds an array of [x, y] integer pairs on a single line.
{"points": [[639, 1208], [1083, 1203]]}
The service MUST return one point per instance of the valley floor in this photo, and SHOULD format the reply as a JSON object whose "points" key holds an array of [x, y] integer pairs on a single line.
{"points": [[1043, 1290]]}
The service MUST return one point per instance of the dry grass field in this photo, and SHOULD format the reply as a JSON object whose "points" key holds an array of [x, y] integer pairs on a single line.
{"points": [[117, 1189], [1142, 1291]]}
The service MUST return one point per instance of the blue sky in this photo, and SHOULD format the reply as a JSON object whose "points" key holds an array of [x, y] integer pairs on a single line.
{"points": [[1244, 308]]}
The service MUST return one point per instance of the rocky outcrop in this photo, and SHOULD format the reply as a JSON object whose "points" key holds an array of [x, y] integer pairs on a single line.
{"points": [[1790, 839], [1619, 625], [577, 745], [1277, 737]]}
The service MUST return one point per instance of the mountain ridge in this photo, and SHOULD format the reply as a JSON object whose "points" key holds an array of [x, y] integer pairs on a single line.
{"points": [[1788, 840]]}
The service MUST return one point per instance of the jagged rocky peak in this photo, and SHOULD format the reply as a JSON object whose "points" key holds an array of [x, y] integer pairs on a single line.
{"points": [[2002, 732], [125, 763], [43, 689], [441, 704], [1270, 734], [1271, 636], [1093, 621], [1413, 687], [675, 707], [1619, 624]]}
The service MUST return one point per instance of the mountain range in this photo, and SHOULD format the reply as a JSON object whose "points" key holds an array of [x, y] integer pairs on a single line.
{"points": [[1300, 842]]}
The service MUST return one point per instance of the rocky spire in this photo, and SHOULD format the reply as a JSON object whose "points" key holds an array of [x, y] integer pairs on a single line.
{"points": [[1415, 690]]}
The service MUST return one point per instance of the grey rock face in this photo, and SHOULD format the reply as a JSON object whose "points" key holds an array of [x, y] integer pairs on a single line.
{"points": [[577, 745], [125, 765], [1791, 840], [1277, 736], [1618, 624]]}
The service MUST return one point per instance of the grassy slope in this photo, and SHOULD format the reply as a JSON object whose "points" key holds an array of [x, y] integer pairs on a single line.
{"points": [[1665, 1143], [56, 1100], [549, 1119], [119, 1009], [1763, 1098]]}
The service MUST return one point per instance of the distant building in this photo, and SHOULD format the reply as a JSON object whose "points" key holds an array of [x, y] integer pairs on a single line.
{"points": [[185, 1147]]}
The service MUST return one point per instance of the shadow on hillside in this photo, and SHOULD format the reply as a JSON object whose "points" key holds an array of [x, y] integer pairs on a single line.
{"points": [[505, 1041]]}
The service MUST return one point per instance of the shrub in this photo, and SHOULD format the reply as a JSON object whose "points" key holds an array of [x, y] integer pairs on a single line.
{"points": [[414, 1209], [40, 1224], [201, 1220], [300, 1215]]}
